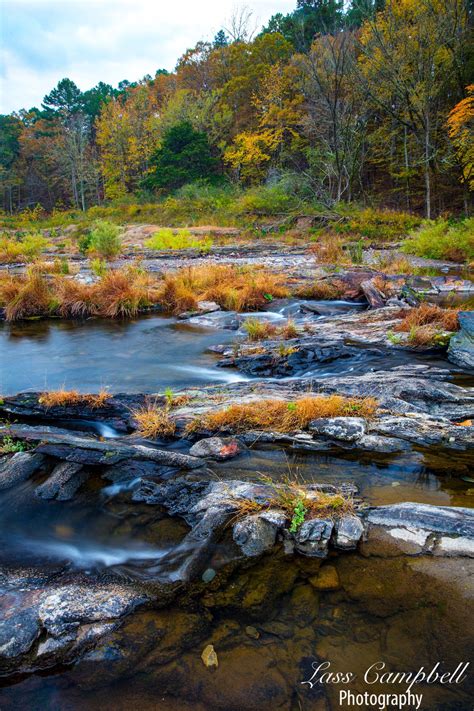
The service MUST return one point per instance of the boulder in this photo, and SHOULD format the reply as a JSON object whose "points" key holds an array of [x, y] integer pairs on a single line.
{"points": [[461, 346], [67, 617], [327, 579], [312, 538], [348, 532], [219, 448], [256, 534]]}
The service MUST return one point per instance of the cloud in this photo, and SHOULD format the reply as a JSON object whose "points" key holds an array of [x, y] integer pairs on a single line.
{"points": [[102, 40]]}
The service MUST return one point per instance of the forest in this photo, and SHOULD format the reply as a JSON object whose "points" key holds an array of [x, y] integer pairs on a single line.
{"points": [[371, 102]]}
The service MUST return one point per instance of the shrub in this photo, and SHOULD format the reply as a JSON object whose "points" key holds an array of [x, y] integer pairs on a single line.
{"points": [[260, 330], [442, 240], [264, 200], [25, 248], [31, 297], [282, 416], [105, 240], [98, 267], [375, 225], [167, 239]]}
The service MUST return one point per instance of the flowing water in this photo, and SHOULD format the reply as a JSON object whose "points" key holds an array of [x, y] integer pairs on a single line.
{"points": [[269, 623]]}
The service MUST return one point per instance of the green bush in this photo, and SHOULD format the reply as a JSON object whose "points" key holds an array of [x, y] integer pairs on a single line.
{"points": [[443, 240], [264, 200], [377, 225], [167, 239], [105, 240]]}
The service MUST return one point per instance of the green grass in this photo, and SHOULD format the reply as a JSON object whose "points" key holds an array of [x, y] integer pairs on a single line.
{"points": [[167, 239], [442, 240]]}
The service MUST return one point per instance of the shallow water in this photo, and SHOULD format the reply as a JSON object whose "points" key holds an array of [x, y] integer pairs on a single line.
{"points": [[139, 355]]}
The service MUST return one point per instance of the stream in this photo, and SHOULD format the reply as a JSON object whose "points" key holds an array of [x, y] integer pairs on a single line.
{"points": [[269, 623]]}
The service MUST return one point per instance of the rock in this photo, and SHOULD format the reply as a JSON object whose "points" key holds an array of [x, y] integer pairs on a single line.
{"points": [[327, 579], [203, 307], [348, 429], [252, 632], [219, 448], [71, 447], [421, 529], [68, 617], [256, 534], [349, 530], [64, 481], [312, 538], [461, 345], [21, 466], [373, 295], [208, 575], [209, 657]]}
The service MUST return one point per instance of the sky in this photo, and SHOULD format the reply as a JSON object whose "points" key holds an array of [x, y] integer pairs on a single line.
{"points": [[43, 41]]}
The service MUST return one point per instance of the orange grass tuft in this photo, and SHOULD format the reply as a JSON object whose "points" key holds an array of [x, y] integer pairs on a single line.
{"points": [[282, 416], [153, 421], [68, 398], [428, 315]]}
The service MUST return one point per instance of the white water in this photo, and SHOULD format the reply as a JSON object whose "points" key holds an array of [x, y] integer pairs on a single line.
{"points": [[86, 555], [106, 431], [207, 374], [117, 488]]}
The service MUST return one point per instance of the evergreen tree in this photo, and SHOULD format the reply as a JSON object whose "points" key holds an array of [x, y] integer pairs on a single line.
{"points": [[183, 157]]}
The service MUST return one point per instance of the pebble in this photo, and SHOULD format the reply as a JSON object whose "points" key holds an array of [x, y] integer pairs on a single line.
{"points": [[209, 657]]}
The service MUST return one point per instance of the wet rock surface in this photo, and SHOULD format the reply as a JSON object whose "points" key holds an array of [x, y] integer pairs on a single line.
{"points": [[461, 345], [44, 626]]}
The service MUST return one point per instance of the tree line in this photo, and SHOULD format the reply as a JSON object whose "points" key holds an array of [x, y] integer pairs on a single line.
{"points": [[370, 101]]}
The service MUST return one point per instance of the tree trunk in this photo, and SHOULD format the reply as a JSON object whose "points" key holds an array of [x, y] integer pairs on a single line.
{"points": [[427, 170]]}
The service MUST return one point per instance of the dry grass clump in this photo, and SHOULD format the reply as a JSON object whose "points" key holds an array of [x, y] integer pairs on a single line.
{"points": [[120, 293], [299, 504], [322, 289], [282, 416], [329, 249], [153, 421], [233, 288], [68, 398], [26, 297], [429, 315], [124, 292], [260, 330]]}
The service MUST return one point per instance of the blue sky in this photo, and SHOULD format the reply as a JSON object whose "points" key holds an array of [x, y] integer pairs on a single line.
{"points": [[89, 41]]}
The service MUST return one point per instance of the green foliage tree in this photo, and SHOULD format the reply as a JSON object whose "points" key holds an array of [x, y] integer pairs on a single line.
{"points": [[183, 157]]}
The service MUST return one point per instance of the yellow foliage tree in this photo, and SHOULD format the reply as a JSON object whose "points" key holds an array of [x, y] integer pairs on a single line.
{"points": [[461, 132], [128, 132]]}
